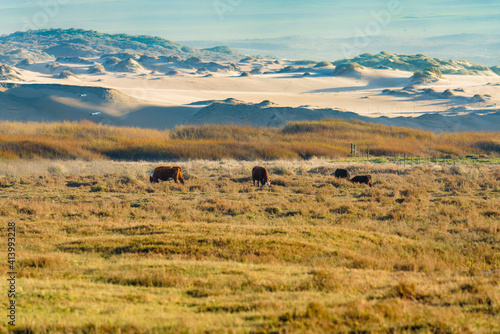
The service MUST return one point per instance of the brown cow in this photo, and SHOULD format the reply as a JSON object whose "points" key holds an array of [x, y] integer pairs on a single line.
{"points": [[165, 173], [342, 173], [261, 175], [367, 179]]}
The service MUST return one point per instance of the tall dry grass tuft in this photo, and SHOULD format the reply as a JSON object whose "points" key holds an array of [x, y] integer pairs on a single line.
{"points": [[43, 261]]}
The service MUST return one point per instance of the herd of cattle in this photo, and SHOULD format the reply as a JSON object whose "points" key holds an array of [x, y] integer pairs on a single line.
{"points": [[259, 174]]}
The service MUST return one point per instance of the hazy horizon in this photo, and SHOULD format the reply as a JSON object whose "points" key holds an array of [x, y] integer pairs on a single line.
{"points": [[238, 19], [357, 24]]}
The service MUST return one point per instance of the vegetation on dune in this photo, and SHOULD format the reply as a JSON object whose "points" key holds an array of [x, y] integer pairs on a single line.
{"points": [[305, 62], [102, 250], [429, 75], [347, 68], [433, 71], [328, 138], [39, 44], [323, 63], [418, 62]]}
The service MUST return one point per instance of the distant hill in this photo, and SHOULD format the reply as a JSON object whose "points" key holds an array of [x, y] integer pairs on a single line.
{"points": [[478, 48], [43, 45], [223, 49], [415, 63]]}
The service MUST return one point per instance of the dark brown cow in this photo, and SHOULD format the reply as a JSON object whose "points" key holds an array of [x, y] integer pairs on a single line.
{"points": [[165, 173], [261, 175], [342, 173], [367, 179]]}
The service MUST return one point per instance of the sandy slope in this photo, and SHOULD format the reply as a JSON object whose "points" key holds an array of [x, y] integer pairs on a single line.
{"points": [[153, 99]]}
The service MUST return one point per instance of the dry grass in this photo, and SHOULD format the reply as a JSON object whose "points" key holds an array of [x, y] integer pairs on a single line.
{"points": [[101, 250], [296, 140]]}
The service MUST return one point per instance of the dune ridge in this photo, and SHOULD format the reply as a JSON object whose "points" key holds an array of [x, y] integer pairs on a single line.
{"points": [[122, 80]]}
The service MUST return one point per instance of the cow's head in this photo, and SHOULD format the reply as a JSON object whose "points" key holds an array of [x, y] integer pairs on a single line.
{"points": [[268, 183], [151, 180]]}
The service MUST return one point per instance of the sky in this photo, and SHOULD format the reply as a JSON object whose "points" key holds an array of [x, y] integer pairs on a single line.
{"points": [[245, 19]]}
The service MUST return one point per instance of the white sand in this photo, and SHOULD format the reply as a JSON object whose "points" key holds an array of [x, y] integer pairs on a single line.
{"points": [[156, 100]]}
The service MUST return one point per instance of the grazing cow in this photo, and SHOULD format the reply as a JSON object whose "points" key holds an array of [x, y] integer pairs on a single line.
{"points": [[367, 179], [261, 175], [165, 173], [342, 173]]}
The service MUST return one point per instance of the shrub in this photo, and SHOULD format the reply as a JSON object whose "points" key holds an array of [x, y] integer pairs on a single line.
{"points": [[323, 64], [347, 68]]}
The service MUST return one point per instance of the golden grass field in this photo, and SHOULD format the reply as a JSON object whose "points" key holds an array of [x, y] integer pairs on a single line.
{"points": [[100, 250], [296, 140]]}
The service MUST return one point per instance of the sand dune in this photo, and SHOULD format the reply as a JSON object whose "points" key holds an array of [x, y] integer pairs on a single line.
{"points": [[25, 63], [57, 102], [262, 114], [96, 69], [159, 117], [164, 91], [349, 69], [9, 73], [130, 66], [267, 113], [66, 75]]}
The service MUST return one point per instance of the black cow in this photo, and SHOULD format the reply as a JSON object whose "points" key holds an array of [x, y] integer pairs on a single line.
{"points": [[366, 179], [342, 173]]}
